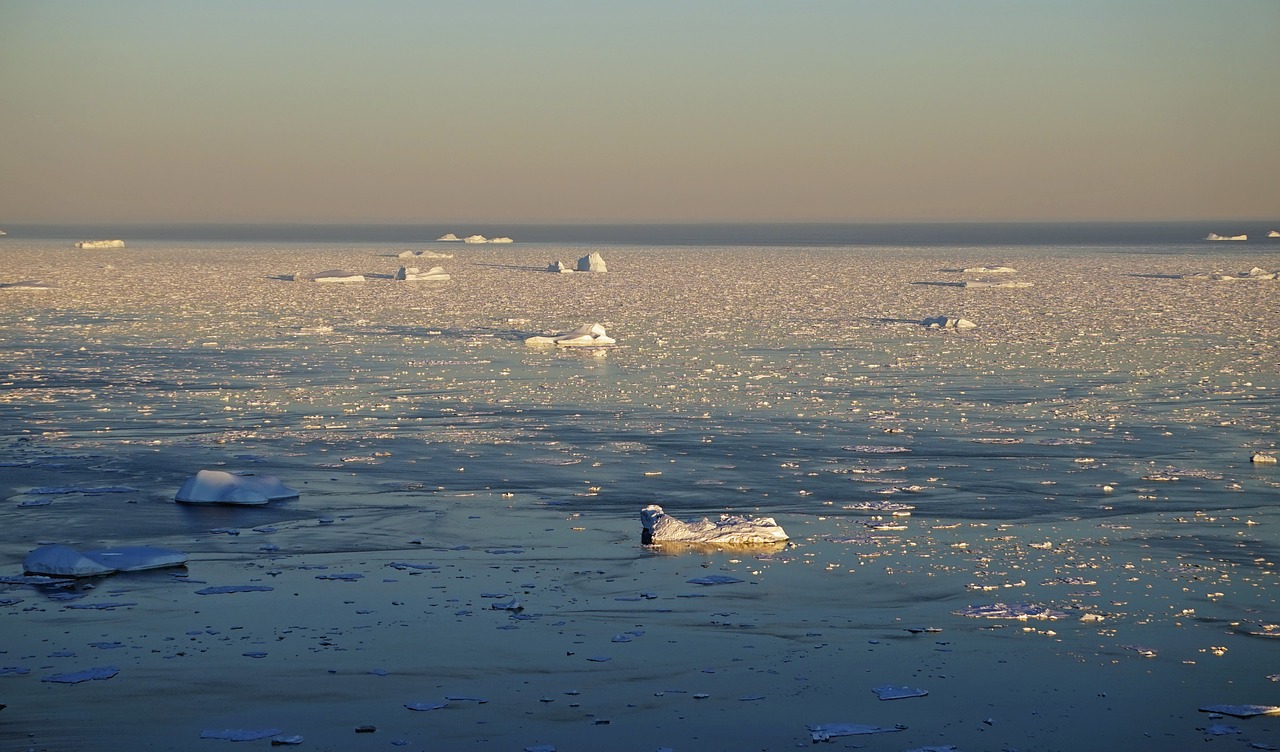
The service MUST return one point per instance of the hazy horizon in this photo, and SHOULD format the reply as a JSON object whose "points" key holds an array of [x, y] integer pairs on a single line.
{"points": [[587, 113]]}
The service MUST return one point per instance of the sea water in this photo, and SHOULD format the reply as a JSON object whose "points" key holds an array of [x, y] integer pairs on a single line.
{"points": [[1049, 525]]}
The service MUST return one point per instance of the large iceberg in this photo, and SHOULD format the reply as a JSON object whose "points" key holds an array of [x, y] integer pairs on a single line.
{"points": [[587, 335], [94, 245], [414, 274], [660, 527], [1216, 236], [64, 561], [222, 487], [592, 263]]}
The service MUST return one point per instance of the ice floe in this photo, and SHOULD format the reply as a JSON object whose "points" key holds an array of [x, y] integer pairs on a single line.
{"points": [[414, 274], [330, 276], [95, 245], [1019, 611], [426, 254], [660, 527], [947, 322], [989, 270], [1241, 711], [587, 335], [222, 487], [825, 732], [64, 561]]}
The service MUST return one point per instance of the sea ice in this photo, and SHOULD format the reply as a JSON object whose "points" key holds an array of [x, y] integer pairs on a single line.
{"points": [[89, 674], [28, 284], [889, 692], [659, 527], [63, 561], [1021, 611], [587, 335], [240, 735], [947, 322], [427, 254], [824, 732], [222, 487], [1242, 711], [990, 270], [559, 267], [329, 276], [94, 245], [448, 236], [475, 239], [1216, 236]]}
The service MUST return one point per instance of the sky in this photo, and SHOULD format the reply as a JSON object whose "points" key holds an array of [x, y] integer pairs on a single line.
{"points": [[658, 111]]}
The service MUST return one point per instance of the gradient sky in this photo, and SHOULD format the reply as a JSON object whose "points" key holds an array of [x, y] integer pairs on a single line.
{"points": [[662, 110]]}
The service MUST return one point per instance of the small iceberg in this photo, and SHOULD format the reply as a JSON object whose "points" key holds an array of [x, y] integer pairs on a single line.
{"points": [[329, 276], [64, 561], [1216, 236], [947, 322], [222, 487], [559, 267], [587, 335], [414, 274], [592, 263], [502, 239], [1274, 234], [659, 527], [475, 239], [448, 237], [94, 245]]}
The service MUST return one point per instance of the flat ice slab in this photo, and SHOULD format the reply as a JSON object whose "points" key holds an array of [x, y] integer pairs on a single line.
{"points": [[64, 561], [94, 245], [414, 274], [329, 276], [660, 527], [222, 487]]}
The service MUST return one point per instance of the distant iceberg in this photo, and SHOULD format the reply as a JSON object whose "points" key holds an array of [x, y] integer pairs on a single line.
{"points": [[1274, 234], [503, 239], [475, 239], [1216, 236], [99, 244], [660, 527], [559, 267], [329, 276], [414, 274], [448, 236], [592, 263], [221, 487], [587, 335]]}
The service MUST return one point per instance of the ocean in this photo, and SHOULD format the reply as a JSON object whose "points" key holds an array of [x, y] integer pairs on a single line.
{"points": [[1047, 531]]}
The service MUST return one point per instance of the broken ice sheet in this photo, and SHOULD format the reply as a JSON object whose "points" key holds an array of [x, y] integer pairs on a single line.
{"points": [[714, 579], [89, 674], [1021, 611], [823, 732], [890, 692]]}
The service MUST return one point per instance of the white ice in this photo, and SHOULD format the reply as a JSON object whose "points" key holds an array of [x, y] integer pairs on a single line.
{"points": [[659, 527], [222, 487]]}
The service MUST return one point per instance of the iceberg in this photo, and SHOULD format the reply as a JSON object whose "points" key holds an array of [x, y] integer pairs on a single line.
{"points": [[1216, 236], [475, 239], [1274, 234], [587, 335], [659, 527], [94, 245], [64, 561], [559, 267], [414, 274], [947, 322], [448, 236], [222, 487], [503, 239], [592, 263], [329, 275]]}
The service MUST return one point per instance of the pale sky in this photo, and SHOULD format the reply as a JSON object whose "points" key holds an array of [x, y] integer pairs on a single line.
{"points": [[655, 110]]}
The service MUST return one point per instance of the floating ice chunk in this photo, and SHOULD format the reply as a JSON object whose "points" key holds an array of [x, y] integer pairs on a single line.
{"points": [[1274, 234], [501, 239], [448, 236], [889, 692], [240, 735], [1222, 729], [1216, 236], [427, 254], [221, 487], [559, 267], [137, 558], [592, 263], [33, 285], [403, 565], [1021, 611], [823, 732], [715, 579], [990, 270], [587, 335], [1263, 458], [63, 561], [475, 239], [95, 245], [424, 706], [286, 740], [329, 276], [947, 322], [414, 274], [659, 527], [90, 674], [1242, 711], [225, 589], [511, 605], [58, 490]]}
